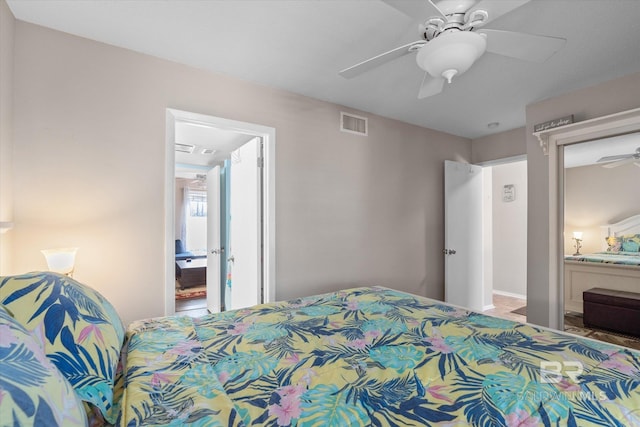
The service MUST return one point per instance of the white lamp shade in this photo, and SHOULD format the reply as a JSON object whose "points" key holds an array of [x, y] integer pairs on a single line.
{"points": [[577, 234], [61, 260], [451, 53]]}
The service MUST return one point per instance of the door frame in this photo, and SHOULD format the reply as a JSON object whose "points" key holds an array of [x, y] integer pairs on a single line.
{"points": [[552, 141], [268, 135], [214, 241]]}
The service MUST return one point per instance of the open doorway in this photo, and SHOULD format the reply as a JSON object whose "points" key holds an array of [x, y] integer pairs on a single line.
{"points": [[506, 231], [509, 239], [191, 216], [509, 231], [486, 236], [203, 152]]}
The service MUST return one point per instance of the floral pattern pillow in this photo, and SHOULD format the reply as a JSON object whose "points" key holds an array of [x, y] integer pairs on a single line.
{"points": [[80, 329], [32, 390]]}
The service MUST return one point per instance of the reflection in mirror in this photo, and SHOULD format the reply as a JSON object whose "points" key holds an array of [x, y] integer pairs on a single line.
{"points": [[601, 205], [601, 187]]}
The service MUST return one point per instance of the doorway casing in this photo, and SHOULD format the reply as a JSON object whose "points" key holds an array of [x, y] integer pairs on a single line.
{"points": [[552, 142], [268, 135]]}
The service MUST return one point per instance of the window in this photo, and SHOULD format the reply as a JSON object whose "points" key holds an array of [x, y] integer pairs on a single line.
{"points": [[197, 203], [195, 211]]}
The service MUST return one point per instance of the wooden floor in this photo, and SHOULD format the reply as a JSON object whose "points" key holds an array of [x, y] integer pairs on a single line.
{"points": [[573, 324], [192, 307], [504, 306]]}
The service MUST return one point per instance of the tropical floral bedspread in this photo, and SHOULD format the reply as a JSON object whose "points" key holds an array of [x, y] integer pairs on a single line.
{"points": [[372, 357], [621, 258]]}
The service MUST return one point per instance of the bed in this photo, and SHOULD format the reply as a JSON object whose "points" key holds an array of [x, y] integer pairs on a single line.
{"points": [[616, 266], [368, 356]]}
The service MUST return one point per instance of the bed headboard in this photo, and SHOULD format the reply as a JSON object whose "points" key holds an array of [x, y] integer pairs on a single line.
{"points": [[627, 226]]}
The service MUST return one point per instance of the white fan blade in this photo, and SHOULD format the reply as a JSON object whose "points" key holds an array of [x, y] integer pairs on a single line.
{"points": [[614, 158], [378, 60], [619, 163], [637, 164], [430, 86], [528, 47], [496, 8], [417, 9]]}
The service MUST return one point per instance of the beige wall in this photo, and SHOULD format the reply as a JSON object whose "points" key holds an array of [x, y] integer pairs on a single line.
{"points": [[503, 145], [596, 196], [89, 164], [7, 23], [596, 101], [510, 230]]}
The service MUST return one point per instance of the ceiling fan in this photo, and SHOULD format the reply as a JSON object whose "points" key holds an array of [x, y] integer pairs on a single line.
{"points": [[451, 42], [622, 159], [200, 180]]}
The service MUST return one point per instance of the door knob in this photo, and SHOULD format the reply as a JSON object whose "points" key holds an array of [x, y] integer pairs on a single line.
{"points": [[449, 251], [217, 251], [231, 258]]}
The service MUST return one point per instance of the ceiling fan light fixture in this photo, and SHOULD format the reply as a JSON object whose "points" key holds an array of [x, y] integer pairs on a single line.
{"points": [[451, 53]]}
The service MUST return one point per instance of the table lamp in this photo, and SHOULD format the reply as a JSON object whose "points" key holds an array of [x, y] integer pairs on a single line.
{"points": [[577, 236], [61, 260]]}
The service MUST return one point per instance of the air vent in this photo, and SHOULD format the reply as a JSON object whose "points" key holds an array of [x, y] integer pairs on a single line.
{"points": [[185, 148], [207, 151], [353, 124]]}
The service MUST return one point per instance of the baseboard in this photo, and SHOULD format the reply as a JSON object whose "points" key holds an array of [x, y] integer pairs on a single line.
{"points": [[510, 294], [488, 307]]}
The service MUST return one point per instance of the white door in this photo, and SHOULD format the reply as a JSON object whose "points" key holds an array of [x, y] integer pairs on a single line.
{"points": [[245, 254], [213, 240], [463, 235]]}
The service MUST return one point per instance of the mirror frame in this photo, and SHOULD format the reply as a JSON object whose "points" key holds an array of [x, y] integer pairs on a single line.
{"points": [[552, 141]]}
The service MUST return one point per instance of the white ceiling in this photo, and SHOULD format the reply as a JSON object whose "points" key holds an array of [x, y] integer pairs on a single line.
{"points": [[300, 46], [588, 153], [203, 136]]}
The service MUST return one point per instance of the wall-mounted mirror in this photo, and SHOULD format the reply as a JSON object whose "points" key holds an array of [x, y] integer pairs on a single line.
{"points": [[601, 210]]}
